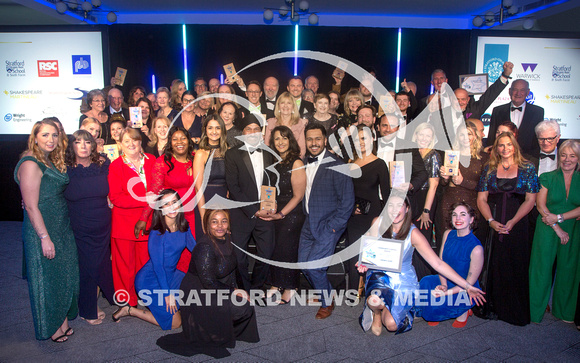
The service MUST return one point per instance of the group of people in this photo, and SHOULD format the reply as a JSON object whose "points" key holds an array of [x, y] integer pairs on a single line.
{"points": [[178, 204]]}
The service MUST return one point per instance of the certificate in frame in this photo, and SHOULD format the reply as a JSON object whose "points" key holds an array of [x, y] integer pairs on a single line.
{"points": [[381, 253]]}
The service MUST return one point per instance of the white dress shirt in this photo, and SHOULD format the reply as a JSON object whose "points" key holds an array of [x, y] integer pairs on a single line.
{"points": [[311, 170], [516, 116], [546, 164], [258, 165]]}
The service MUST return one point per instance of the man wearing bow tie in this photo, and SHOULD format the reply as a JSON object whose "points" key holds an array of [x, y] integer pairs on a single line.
{"points": [[548, 133], [328, 203], [246, 172], [525, 115]]}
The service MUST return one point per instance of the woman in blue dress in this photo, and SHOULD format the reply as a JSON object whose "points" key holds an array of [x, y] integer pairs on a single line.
{"points": [[464, 253], [391, 294], [169, 236]]}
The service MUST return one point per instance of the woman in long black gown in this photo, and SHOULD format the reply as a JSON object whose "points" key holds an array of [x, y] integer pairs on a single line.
{"points": [[290, 217], [90, 219], [368, 204], [211, 328]]}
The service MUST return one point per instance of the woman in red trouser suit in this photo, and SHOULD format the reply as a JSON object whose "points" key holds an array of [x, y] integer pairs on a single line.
{"points": [[129, 180]]}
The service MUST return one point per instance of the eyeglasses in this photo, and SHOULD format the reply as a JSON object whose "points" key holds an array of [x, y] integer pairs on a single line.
{"points": [[253, 92], [547, 139]]}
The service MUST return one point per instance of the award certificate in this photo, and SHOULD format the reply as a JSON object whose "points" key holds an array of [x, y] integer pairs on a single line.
{"points": [[381, 253]]}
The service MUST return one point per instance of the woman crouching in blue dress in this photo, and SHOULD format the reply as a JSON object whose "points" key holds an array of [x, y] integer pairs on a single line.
{"points": [[169, 236], [464, 253], [391, 295]]}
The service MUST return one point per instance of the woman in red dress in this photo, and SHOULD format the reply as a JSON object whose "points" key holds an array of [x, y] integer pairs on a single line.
{"points": [[174, 170], [129, 180]]}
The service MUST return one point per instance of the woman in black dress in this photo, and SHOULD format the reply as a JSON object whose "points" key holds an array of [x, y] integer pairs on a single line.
{"points": [[211, 180], [210, 328], [90, 219], [368, 204], [290, 216]]}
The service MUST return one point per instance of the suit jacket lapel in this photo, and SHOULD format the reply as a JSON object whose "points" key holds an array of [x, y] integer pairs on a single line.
{"points": [[248, 163]]}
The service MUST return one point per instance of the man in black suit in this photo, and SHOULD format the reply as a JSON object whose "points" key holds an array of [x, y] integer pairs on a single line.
{"points": [[257, 104], [525, 115], [271, 88], [295, 87], [474, 109], [115, 98], [246, 173]]}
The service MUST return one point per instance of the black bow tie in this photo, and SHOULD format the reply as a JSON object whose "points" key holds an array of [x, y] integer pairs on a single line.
{"points": [[551, 156], [516, 108], [311, 160], [255, 151]]}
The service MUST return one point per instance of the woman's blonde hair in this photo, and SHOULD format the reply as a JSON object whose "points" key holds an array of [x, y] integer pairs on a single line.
{"points": [[495, 157], [421, 127], [92, 120], [353, 93], [152, 135], [572, 145], [175, 99], [56, 156], [295, 112]]}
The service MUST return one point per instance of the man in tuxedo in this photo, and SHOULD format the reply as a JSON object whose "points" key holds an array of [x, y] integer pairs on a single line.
{"points": [[438, 77], [246, 172], [524, 115], [257, 104], [271, 88], [328, 204], [295, 87], [115, 98], [548, 134]]}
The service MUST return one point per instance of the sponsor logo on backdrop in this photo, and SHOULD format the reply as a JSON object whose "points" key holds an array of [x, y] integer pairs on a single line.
{"points": [[529, 72], [16, 117], [15, 68], [486, 119], [31, 94], [494, 56], [81, 64], [564, 99], [561, 73], [531, 98], [47, 68]]}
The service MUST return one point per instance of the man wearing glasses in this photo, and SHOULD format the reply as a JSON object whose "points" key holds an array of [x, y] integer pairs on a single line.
{"points": [[257, 103], [525, 115], [548, 133]]}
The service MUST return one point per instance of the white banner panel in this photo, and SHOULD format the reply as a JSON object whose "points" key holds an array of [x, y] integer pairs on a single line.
{"points": [[45, 74], [552, 68]]}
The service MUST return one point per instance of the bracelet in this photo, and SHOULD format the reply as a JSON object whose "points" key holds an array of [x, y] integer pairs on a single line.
{"points": [[282, 215], [503, 75], [554, 225], [490, 220], [560, 218], [43, 236], [426, 211]]}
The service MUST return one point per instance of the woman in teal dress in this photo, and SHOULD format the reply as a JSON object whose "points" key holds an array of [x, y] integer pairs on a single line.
{"points": [[49, 244], [169, 236], [464, 253], [557, 238]]}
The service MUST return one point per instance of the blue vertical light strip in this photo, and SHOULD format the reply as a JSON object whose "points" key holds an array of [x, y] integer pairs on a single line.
{"points": [[153, 84], [221, 78], [398, 62], [296, 49], [185, 78]]}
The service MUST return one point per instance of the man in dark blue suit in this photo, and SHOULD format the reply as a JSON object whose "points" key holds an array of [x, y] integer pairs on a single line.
{"points": [[329, 201]]}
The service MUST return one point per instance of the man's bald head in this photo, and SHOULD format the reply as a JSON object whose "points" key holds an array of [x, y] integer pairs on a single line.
{"points": [[462, 97]]}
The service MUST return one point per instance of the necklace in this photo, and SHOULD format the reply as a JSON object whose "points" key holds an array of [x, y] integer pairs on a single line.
{"points": [[504, 168]]}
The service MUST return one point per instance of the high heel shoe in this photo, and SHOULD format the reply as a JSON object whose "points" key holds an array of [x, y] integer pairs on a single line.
{"points": [[115, 316], [461, 324], [432, 323]]}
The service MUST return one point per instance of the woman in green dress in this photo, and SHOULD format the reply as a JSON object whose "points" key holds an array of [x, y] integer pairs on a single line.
{"points": [[49, 245], [557, 238]]}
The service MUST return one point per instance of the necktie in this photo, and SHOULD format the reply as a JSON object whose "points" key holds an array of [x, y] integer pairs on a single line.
{"points": [[516, 108], [551, 156]]}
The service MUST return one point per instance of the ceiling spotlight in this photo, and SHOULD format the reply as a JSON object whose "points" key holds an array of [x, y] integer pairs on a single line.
{"points": [[507, 3], [96, 3], [512, 10], [313, 19], [528, 23], [489, 18], [284, 9], [268, 14], [303, 5], [87, 6], [61, 7], [111, 17], [477, 21]]}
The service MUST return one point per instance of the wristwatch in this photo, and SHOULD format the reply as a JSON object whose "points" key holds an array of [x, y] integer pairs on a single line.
{"points": [[426, 211], [560, 218]]}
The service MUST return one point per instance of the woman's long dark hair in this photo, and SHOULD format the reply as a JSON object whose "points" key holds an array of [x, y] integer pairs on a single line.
{"points": [[407, 221], [207, 217], [169, 147], [293, 148], [70, 158], [158, 219], [470, 211]]}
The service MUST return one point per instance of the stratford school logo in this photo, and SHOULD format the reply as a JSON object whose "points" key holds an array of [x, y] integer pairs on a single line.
{"points": [[561, 73], [15, 68], [81, 64]]}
